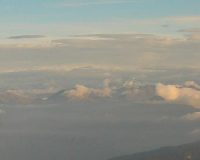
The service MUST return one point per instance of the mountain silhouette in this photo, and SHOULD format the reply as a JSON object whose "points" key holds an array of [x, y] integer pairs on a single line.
{"points": [[11, 98], [190, 151]]}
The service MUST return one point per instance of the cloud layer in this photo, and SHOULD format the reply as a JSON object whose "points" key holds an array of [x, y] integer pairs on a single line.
{"points": [[191, 116], [177, 94]]}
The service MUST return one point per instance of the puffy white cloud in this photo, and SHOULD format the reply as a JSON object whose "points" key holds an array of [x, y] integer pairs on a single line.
{"points": [[191, 116], [80, 92], [168, 92], [129, 83], [180, 95], [83, 93]]}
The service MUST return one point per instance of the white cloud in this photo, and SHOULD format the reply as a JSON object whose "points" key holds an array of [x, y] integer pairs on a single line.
{"points": [[187, 96], [168, 92], [80, 92], [191, 116], [192, 83], [129, 84], [83, 93]]}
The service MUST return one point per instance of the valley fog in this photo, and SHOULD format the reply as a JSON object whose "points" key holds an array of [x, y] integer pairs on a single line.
{"points": [[91, 130]]}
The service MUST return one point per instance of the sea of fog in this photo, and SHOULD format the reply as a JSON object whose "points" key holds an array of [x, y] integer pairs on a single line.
{"points": [[95, 130]]}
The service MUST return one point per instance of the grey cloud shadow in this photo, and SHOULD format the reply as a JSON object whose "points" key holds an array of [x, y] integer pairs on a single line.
{"points": [[165, 26], [26, 37]]}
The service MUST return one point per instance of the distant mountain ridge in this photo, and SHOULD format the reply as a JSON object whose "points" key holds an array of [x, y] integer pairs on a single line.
{"points": [[142, 93], [12, 98], [190, 151]]}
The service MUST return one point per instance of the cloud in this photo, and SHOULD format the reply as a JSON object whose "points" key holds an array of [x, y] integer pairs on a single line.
{"points": [[26, 37], [142, 93], [50, 88], [192, 37], [168, 92], [29, 46], [190, 30], [102, 2], [83, 93], [128, 84], [194, 132], [193, 84], [120, 52], [179, 95], [165, 26], [80, 92], [191, 116], [106, 83], [183, 19]]}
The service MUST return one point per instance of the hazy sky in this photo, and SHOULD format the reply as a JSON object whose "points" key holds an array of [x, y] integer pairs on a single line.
{"points": [[71, 34], [112, 60]]}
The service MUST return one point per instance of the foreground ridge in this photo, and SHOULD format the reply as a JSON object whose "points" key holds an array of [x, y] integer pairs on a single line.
{"points": [[190, 151]]}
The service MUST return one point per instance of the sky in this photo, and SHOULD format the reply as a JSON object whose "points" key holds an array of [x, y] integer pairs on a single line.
{"points": [[97, 79], [64, 18]]}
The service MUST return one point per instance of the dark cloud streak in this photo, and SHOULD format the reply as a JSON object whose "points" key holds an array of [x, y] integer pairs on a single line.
{"points": [[26, 37]]}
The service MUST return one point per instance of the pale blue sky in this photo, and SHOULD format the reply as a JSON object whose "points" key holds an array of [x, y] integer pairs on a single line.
{"points": [[59, 11], [52, 17]]}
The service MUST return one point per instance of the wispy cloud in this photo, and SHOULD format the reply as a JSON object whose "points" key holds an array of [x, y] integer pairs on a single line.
{"points": [[191, 116], [194, 132], [193, 84], [165, 26], [190, 30], [184, 19], [29, 46], [26, 36], [89, 3]]}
